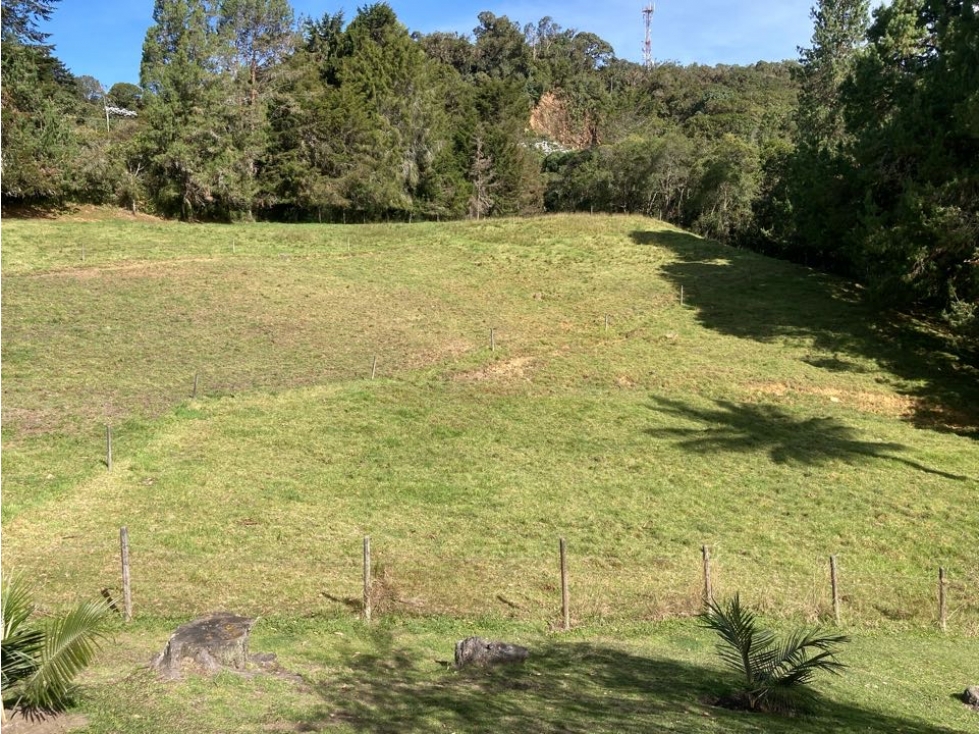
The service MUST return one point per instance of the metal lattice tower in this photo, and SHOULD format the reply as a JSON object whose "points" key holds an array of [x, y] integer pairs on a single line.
{"points": [[647, 46]]}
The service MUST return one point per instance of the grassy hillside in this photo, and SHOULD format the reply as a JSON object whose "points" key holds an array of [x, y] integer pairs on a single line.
{"points": [[767, 415]]}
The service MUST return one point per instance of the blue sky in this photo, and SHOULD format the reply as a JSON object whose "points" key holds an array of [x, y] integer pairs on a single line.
{"points": [[104, 38]]}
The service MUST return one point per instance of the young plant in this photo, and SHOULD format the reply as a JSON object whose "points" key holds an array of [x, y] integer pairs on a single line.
{"points": [[775, 673], [41, 657]]}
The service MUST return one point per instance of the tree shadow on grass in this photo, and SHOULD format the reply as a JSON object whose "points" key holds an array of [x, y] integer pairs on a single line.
{"points": [[563, 687], [787, 440], [743, 294]]}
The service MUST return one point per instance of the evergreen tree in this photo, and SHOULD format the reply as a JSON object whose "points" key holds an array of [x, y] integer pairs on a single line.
{"points": [[19, 20], [820, 184], [502, 109], [254, 36], [367, 124], [388, 76], [183, 141], [839, 30], [727, 188], [202, 74], [501, 50], [38, 96], [911, 108], [125, 95]]}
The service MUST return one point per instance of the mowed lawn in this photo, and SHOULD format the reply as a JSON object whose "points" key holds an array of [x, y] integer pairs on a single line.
{"points": [[631, 388]]}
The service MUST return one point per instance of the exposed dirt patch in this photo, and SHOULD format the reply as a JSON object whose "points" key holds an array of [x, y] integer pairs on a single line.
{"points": [[77, 213], [517, 368], [17, 724], [33, 211], [89, 213], [552, 118]]}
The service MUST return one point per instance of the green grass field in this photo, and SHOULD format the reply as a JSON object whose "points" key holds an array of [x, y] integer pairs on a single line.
{"points": [[769, 415]]}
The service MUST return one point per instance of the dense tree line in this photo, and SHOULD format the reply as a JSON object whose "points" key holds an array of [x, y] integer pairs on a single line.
{"points": [[242, 112], [860, 158]]}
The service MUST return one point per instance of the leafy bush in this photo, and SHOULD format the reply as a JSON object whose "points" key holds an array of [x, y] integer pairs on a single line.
{"points": [[775, 672]]}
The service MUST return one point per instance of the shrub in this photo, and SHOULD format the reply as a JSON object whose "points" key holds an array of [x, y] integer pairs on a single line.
{"points": [[775, 673]]}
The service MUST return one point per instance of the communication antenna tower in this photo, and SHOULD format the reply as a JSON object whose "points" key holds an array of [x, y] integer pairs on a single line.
{"points": [[647, 46]]}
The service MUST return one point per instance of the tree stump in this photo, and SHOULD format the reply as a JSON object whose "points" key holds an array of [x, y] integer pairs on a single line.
{"points": [[206, 645], [477, 651]]}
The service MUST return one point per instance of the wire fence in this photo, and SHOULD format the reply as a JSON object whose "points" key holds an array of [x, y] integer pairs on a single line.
{"points": [[429, 579]]}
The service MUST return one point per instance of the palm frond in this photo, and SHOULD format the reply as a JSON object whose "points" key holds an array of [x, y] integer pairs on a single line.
{"points": [[42, 657], [22, 642], [805, 654], [16, 607], [774, 673], [739, 633], [70, 642]]}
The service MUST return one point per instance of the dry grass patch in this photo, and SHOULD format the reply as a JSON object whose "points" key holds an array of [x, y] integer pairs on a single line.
{"points": [[515, 368], [891, 404]]}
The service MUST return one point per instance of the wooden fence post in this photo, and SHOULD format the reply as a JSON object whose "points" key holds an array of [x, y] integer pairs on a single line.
{"points": [[942, 611], [565, 595], [834, 583], [127, 595], [708, 584], [367, 578], [197, 377], [492, 340], [374, 367]]}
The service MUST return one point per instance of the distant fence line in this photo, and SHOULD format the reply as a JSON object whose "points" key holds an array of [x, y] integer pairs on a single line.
{"points": [[595, 602]]}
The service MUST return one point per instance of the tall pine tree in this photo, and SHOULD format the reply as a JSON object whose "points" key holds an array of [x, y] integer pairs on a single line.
{"points": [[911, 108], [819, 176], [184, 142]]}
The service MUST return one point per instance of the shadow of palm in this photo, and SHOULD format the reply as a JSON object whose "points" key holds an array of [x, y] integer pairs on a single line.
{"points": [[733, 295], [564, 687], [787, 440]]}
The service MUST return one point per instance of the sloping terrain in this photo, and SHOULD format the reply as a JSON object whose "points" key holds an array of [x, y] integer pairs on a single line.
{"points": [[634, 389]]}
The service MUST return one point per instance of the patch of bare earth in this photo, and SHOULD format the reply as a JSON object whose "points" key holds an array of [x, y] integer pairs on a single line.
{"points": [[517, 368], [16, 723], [91, 213], [77, 213], [552, 118]]}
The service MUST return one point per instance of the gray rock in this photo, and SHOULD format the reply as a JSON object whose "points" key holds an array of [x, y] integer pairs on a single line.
{"points": [[206, 645], [971, 697], [477, 651]]}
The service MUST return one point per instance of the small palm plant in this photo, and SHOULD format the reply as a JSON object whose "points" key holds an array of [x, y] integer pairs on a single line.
{"points": [[775, 672], [42, 656]]}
